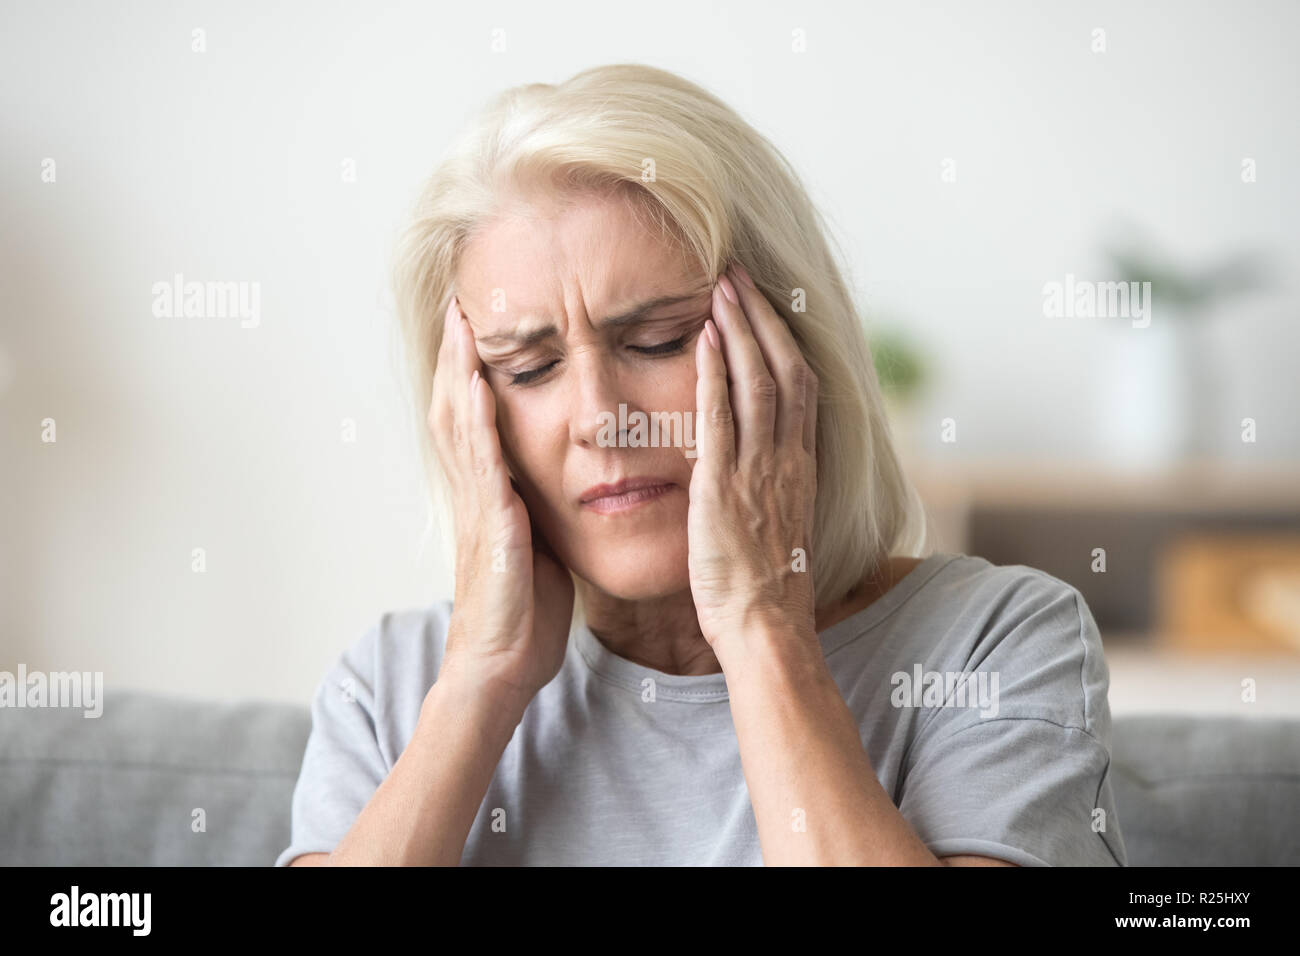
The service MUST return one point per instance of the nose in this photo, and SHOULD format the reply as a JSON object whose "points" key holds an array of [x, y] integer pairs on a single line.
{"points": [[595, 392]]}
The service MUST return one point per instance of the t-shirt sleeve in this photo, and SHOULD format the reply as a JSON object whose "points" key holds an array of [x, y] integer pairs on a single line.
{"points": [[343, 764], [1027, 779]]}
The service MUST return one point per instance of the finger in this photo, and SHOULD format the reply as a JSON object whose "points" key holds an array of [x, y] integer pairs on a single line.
{"points": [[715, 435], [486, 457], [750, 384], [465, 362], [440, 404], [810, 415], [784, 361]]}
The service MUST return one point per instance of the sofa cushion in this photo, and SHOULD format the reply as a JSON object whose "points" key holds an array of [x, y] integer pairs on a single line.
{"points": [[123, 789], [1207, 791]]}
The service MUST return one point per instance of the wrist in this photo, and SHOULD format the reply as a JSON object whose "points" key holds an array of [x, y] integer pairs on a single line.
{"points": [[480, 690], [772, 649]]}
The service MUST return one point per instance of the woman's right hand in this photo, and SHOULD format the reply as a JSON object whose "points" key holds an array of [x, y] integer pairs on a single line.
{"points": [[514, 600]]}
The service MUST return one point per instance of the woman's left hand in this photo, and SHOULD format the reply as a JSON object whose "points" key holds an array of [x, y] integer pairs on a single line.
{"points": [[754, 481]]}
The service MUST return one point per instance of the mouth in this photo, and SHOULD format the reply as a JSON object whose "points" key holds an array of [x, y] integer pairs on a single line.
{"points": [[625, 495]]}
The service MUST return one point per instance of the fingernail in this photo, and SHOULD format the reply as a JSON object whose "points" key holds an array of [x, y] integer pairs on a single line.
{"points": [[473, 380], [728, 289], [711, 332], [744, 275]]}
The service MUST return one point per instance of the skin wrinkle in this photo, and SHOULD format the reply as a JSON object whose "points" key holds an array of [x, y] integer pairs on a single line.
{"points": [[637, 315]]}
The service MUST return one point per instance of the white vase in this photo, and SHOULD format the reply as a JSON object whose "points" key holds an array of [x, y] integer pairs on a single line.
{"points": [[1143, 402]]}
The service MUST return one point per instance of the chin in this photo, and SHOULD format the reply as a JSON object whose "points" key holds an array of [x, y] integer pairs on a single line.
{"points": [[639, 568]]}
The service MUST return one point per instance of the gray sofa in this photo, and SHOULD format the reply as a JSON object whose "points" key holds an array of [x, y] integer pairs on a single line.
{"points": [[123, 789]]}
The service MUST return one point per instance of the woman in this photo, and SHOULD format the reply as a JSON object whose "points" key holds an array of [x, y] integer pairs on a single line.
{"points": [[713, 649]]}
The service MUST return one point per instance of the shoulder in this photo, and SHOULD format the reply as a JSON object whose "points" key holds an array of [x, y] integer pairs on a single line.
{"points": [[391, 665], [416, 635], [973, 581], [1029, 631], [1007, 744], [363, 713]]}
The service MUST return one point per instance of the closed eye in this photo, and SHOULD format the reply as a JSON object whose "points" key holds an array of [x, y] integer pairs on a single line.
{"points": [[664, 348], [523, 378]]}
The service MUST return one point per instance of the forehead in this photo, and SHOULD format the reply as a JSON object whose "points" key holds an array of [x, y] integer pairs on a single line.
{"points": [[552, 259]]}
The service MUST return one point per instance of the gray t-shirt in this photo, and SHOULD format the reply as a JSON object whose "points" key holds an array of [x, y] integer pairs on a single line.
{"points": [[979, 692]]}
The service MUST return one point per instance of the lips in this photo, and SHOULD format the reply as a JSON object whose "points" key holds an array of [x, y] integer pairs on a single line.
{"points": [[620, 488]]}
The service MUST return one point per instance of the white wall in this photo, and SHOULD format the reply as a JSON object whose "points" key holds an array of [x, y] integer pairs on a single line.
{"points": [[175, 434]]}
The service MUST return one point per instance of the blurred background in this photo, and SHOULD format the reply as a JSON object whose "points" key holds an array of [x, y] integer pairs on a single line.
{"points": [[1071, 228]]}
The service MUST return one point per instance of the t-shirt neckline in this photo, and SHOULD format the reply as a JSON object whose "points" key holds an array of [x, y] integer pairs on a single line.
{"points": [[712, 688]]}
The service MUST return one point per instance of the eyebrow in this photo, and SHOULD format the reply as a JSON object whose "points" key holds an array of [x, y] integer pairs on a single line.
{"points": [[635, 314]]}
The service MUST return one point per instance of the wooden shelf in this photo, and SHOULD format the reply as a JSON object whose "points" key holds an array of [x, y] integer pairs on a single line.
{"points": [[1208, 486]]}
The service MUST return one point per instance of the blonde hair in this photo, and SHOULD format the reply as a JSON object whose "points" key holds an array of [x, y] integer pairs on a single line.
{"points": [[699, 173]]}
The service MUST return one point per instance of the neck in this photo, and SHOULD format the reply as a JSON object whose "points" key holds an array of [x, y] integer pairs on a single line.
{"points": [[663, 633]]}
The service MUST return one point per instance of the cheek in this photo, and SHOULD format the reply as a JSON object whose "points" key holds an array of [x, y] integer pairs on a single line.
{"points": [[672, 388], [528, 430]]}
